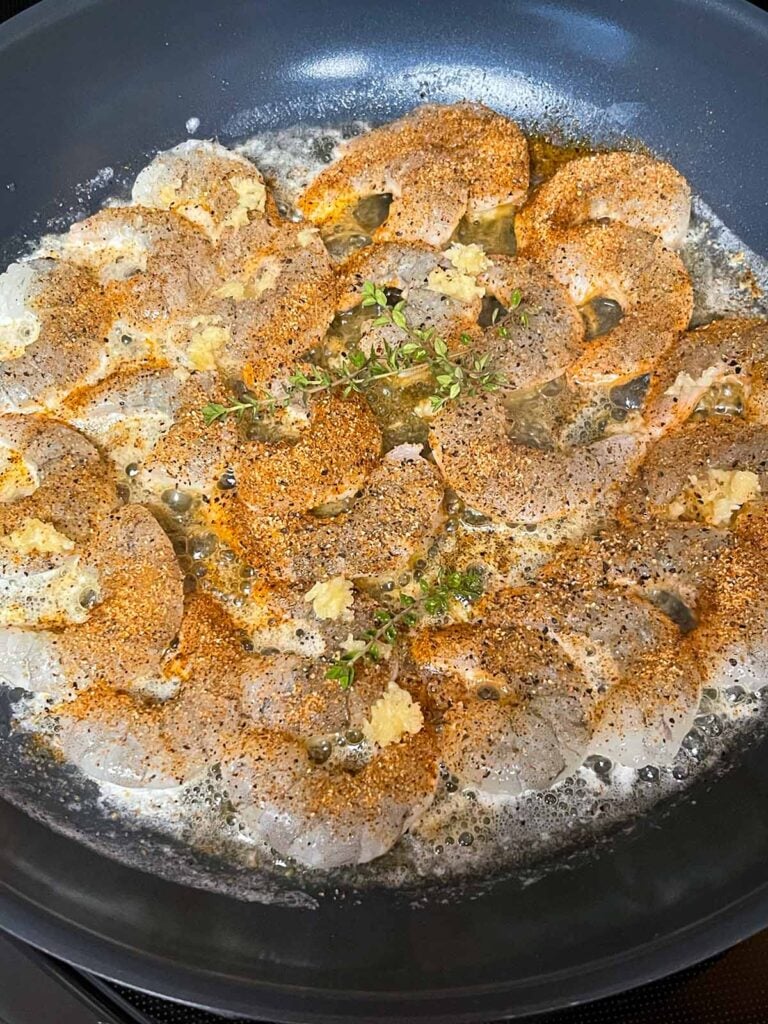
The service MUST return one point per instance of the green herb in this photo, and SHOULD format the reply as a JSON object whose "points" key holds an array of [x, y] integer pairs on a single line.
{"points": [[454, 374], [434, 599]]}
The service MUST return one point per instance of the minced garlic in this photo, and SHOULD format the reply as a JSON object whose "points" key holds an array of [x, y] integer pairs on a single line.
{"points": [[264, 278], [231, 290], [167, 194], [686, 386], [424, 409], [18, 477], [332, 599], [469, 259], [37, 538], [715, 496], [307, 236], [456, 285], [354, 646], [392, 716], [206, 344], [251, 195]]}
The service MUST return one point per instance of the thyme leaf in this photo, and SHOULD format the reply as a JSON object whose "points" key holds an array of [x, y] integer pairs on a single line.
{"points": [[434, 598], [455, 374]]}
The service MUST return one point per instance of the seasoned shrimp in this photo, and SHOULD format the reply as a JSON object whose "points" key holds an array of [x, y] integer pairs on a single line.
{"points": [[440, 297], [716, 475], [517, 483], [325, 816], [644, 681], [438, 163], [276, 302], [54, 318], [395, 518], [517, 715], [151, 424], [672, 564], [127, 556], [634, 269], [732, 640], [631, 188], [359, 529], [51, 473], [701, 472], [168, 736], [541, 335], [725, 353], [334, 451], [214, 188], [127, 413], [711, 581], [316, 801], [155, 266], [275, 293], [53, 492]]}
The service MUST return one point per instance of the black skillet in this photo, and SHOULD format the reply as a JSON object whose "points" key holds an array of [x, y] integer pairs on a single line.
{"points": [[87, 84]]}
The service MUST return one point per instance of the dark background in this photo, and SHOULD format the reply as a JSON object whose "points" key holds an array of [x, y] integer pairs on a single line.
{"points": [[730, 989]]}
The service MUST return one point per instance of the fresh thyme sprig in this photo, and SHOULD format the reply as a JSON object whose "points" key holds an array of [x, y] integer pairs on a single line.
{"points": [[435, 599], [454, 373]]}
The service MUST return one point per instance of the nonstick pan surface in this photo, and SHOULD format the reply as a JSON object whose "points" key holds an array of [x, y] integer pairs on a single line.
{"points": [[88, 85]]}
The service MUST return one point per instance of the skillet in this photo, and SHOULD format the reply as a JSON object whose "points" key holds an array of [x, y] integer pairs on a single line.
{"points": [[94, 83]]}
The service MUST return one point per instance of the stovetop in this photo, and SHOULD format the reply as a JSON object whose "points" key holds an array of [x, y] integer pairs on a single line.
{"points": [[729, 989]]}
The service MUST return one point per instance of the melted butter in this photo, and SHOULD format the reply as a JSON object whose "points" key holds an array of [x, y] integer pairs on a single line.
{"points": [[548, 155]]}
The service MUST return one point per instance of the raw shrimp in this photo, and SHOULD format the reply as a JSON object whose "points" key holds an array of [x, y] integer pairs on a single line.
{"points": [[396, 516], [275, 295], [687, 474], [542, 333], [517, 483], [325, 816], [711, 581], [517, 715], [725, 353], [169, 735], [319, 802], [127, 413], [714, 473], [217, 190], [349, 534], [154, 265], [671, 564], [732, 639], [276, 302], [409, 272], [151, 424], [119, 641], [53, 492], [54, 318], [644, 682], [334, 449], [634, 269], [50, 472], [323, 460], [438, 163], [631, 188]]}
